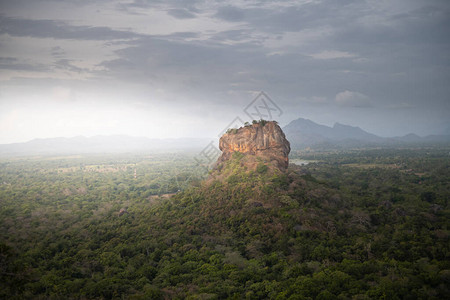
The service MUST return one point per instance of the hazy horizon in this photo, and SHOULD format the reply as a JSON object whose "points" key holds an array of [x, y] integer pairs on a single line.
{"points": [[198, 138], [170, 69]]}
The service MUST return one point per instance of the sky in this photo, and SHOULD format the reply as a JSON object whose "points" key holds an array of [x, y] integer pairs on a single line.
{"points": [[190, 68]]}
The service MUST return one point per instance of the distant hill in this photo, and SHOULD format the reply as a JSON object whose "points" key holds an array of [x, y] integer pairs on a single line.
{"points": [[301, 133], [100, 144], [304, 133]]}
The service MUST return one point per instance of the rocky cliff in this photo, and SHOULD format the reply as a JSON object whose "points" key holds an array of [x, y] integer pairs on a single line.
{"points": [[263, 142]]}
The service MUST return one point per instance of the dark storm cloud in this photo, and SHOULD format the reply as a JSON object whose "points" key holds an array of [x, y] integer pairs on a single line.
{"points": [[289, 74], [165, 57], [59, 30], [202, 67], [407, 55], [422, 26], [354, 56], [291, 18], [383, 48]]}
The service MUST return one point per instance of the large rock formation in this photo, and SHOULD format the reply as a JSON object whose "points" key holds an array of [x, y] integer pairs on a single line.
{"points": [[262, 142]]}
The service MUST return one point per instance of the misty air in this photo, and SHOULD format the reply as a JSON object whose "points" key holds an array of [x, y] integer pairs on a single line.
{"points": [[224, 149]]}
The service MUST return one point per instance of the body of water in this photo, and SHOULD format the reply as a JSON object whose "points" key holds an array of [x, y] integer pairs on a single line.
{"points": [[301, 162]]}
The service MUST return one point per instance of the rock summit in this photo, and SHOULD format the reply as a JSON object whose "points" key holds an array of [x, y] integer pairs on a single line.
{"points": [[262, 142]]}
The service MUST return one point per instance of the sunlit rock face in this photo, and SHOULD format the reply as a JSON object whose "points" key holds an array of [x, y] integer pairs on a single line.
{"points": [[265, 142]]}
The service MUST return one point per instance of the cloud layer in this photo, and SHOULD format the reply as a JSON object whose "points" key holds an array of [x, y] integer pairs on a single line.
{"points": [[380, 65]]}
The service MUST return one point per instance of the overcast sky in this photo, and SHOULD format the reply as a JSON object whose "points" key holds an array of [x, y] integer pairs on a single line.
{"points": [[185, 68]]}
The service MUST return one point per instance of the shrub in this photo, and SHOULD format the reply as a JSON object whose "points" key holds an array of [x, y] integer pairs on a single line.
{"points": [[261, 168]]}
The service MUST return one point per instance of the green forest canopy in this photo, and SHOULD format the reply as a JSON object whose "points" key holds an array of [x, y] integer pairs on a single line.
{"points": [[363, 224]]}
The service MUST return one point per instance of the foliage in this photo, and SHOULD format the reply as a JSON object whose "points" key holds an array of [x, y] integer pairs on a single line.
{"points": [[247, 124], [261, 122], [261, 168], [232, 130], [369, 224]]}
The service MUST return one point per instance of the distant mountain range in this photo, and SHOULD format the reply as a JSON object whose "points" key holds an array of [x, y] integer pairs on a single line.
{"points": [[101, 144], [303, 133]]}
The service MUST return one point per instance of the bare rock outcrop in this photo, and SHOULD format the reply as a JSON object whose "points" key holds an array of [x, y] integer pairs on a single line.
{"points": [[263, 141], [122, 211]]}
